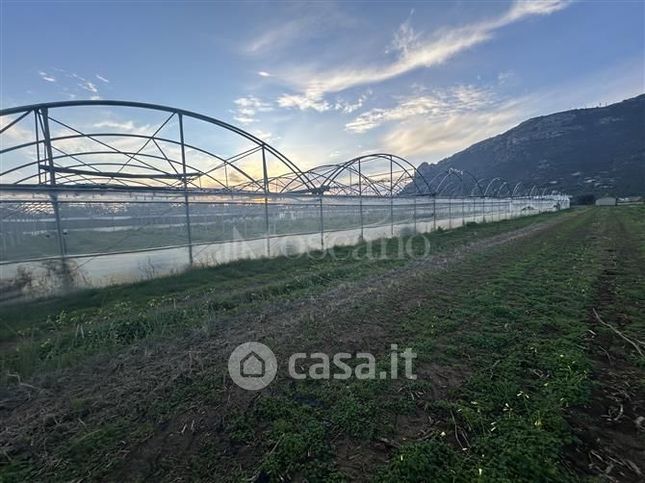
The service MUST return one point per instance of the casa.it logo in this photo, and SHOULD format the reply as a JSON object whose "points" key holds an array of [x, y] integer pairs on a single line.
{"points": [[252, 366]]}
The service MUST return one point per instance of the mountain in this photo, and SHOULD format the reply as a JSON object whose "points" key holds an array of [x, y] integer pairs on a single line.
{"points": [[583, 151]]}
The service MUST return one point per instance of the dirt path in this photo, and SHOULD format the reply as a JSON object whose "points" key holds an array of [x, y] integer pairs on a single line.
{"points": [[46, 411]]}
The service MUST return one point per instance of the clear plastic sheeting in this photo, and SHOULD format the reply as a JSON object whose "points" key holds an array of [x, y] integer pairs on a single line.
{"points": [[56, 240]]}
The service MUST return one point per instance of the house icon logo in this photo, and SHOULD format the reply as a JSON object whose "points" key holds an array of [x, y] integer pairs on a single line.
{"points": [[252, 366]]}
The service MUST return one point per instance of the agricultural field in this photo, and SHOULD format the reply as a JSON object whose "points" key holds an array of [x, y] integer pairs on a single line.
{"points": [[529, 335]]}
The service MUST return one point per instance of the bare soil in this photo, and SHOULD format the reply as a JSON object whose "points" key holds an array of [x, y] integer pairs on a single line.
{"points": [[611, 427]]}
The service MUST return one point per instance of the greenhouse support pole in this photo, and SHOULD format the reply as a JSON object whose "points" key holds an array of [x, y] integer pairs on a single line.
{"points": [[483, 209], [360, 197], [52, 181], [414, 213], [463, 211], [391, 201], [37, 131], [434, 212], [322, 224], [44, 117], [185, 179], [266, 200]]}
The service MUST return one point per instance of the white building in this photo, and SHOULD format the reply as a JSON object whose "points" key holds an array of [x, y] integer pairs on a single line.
{"points": [[606, 201]]}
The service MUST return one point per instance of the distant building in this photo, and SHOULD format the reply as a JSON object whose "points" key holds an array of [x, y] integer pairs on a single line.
{"points": [[606, 201], [630, 200]]}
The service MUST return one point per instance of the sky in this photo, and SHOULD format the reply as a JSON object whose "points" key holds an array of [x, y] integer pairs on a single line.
{"points": [[326, 81]]}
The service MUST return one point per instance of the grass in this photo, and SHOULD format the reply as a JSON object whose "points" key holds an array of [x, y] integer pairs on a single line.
{"points": [[514, 424], [503, 359], [57, 332]]}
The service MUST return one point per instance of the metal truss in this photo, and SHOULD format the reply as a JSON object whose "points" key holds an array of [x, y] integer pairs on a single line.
{"points": [[162, 159], [159, 161]]}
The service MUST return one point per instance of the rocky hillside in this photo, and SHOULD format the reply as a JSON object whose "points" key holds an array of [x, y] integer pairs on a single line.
{"points": [[598, 150]]}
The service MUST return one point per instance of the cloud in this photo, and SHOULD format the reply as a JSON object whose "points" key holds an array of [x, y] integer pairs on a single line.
{"points": [[414, 52], [434, 139], [301, 21], [247, 107], [126, 126], [405, 40], [438, 104], [506, 77], [278, 35], [46, 77], [17, 133], [523, 8], [264, 74], [85, 84], [73, 85], [88, 86], [263, 135], [348, 107], [303, 102], [244, 119]]}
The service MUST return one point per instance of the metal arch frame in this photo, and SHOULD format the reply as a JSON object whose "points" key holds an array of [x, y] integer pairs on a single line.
{"points": [[403, 164], [229, 162], [506, 185], [476, 180], [490, 184], [291, 184], [520, 189], [454, 186], [459, 174], [515, 188], [326, 178], [180, 177], [317, 181], [43, 109]]}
